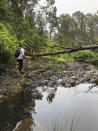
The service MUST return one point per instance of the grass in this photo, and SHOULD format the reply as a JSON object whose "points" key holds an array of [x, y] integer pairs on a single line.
{"points": [[71, 126]]}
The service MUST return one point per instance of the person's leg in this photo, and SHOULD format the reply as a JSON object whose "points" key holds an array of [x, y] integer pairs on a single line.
{"points": [[20, 62], [20, 65]]}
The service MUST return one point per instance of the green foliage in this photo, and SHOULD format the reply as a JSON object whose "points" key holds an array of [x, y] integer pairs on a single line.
{"points": [[8, 44], [21, 20], [24, 23], [63, 40], [50, 43], [85, 55], [35, 41]]}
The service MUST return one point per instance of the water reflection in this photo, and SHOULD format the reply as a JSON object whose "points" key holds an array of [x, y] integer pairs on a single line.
{"points": [[18, 108], [81, 100], [86, 88], [44, 108], [51, 92]]}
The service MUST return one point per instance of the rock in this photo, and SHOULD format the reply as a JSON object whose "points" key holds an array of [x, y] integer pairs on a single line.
{"points": [[72, 83]]}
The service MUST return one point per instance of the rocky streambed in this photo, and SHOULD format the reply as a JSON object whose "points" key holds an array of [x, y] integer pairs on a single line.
{"points": [[46, 72], [61, 74]]}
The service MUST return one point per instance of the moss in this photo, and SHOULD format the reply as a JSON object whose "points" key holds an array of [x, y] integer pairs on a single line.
{"points": [[1, 101], [93, 74], [11, 90]]}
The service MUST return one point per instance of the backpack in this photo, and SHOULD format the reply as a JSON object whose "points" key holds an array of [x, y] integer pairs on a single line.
{"points": [[17, 53]]}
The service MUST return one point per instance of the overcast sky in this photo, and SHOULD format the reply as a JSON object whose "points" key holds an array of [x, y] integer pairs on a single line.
{"points": [[70, 6]]}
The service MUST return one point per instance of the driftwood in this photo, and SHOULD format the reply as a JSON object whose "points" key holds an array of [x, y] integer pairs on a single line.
{"points": [[66, 51]]}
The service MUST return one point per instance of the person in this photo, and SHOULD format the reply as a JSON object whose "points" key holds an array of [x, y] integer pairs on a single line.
{"points": [[20, 59], [32, 50]]}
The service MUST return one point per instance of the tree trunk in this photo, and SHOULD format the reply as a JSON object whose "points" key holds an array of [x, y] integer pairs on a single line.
{"points": [[67, 51]]}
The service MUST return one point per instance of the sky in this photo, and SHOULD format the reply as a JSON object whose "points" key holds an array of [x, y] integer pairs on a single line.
{"points": [[70, 6]]}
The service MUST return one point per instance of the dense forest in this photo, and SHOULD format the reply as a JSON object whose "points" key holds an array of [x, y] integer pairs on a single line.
{"points": [[36, 25]]}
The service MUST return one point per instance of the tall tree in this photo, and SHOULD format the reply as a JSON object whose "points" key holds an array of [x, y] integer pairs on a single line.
{"points": [[50, 16]]}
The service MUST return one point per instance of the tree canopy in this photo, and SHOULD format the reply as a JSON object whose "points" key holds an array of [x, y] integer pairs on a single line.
{"points": [[32, 23]]}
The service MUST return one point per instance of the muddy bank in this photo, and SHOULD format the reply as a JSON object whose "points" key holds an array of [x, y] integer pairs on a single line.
{"points": [[10, 83], [45, 72]]}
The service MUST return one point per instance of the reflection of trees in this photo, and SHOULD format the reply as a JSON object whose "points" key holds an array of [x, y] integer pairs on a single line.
{"points": [[89, 90], [51, 95], [17, 108]]}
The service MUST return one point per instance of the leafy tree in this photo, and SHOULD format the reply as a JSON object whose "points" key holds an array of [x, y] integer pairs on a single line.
{"points": [[65, 23], [8, 45], [49, 11], [40, 24], [79, 28]]}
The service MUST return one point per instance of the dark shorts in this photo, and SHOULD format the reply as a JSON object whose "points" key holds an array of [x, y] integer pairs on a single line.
{"points": [[20, 61]]}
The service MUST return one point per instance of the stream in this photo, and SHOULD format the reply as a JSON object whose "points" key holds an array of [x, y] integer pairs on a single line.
{"points": [[51, 109], [51, 96]]}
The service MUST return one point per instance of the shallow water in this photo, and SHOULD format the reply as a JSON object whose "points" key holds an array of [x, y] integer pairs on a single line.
{"points": [[62, 109]]}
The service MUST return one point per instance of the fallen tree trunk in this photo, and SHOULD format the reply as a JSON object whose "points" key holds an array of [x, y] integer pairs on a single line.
{"points": [[66, 51], [57, 46]]}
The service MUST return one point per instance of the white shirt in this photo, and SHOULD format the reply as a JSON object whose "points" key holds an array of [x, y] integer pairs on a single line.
{"points": [[21, 56]]}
